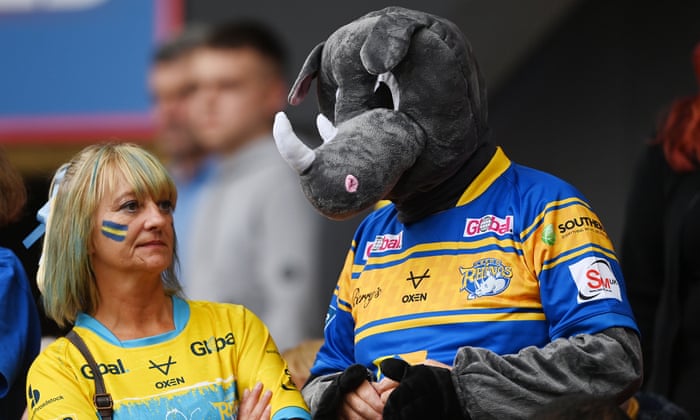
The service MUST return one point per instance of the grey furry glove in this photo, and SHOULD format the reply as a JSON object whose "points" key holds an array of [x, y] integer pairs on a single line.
{"points": [[424, 392]]}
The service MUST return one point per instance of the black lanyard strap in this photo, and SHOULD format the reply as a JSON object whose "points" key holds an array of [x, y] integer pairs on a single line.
{"points": [[102, 399]]}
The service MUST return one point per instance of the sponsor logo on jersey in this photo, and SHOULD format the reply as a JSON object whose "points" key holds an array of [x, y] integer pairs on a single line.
{"points": [[384, 243], [488, 223], [212, 344], [330, 316], [548, 235], [35, 399], [288, 384], [364, 298], [164, 367], [580, 224], [417, 280], [33, 395], [167, 383], [414, 297], [486, 277], [116, 368], [594, 280]]}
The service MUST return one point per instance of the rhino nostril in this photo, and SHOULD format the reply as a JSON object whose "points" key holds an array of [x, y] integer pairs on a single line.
{"points": [[351, 184]]}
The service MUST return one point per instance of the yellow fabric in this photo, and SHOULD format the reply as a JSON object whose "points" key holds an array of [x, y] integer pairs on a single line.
{"points": [[198, 372]]}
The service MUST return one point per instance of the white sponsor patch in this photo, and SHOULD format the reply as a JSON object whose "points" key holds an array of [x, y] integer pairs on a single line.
{"points": [[383, 243], [595, 280], [488, 223]]}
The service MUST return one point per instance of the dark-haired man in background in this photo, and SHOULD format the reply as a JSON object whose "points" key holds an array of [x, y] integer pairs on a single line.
{"points": [[255, 236]]}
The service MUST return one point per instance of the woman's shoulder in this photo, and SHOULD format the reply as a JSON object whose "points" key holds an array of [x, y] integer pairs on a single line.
{"points": [[219, 310], [55, 355]]}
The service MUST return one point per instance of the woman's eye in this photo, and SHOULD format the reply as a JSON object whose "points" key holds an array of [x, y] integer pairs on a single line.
{"points": [[130, 206], [166, 206]]}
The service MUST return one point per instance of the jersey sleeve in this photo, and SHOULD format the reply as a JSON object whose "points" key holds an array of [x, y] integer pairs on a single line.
{"points": [[338, 349], [53, 390], [260, 361], [581, 284]]}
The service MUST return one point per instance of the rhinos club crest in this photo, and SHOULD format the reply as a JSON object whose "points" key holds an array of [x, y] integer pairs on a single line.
{"points": [[486, 277]]}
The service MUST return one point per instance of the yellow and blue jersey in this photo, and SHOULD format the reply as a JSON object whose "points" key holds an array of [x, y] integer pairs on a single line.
{"points": [[522, 259], [199, 370]]}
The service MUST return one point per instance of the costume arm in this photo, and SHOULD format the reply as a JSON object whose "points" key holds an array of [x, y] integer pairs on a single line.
{"points": [[512, 386], [314, 388], [337, 352]]}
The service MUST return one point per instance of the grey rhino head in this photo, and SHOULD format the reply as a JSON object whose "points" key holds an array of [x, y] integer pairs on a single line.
{"points": [[402, 108]]}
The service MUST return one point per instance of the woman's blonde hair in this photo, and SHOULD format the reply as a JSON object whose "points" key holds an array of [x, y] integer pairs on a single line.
{"points": [[65, 275]]}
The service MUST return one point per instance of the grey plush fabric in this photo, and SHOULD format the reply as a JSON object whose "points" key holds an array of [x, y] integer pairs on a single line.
{"points": [[405, 93], [607, 364], [513, 386]]}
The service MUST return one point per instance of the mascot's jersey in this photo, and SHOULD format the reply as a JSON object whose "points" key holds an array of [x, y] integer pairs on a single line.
{"points": [[197, 371], [521, 260]]}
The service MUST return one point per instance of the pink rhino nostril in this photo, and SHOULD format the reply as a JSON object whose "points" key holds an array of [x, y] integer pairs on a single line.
{"points": [[351, 184]]}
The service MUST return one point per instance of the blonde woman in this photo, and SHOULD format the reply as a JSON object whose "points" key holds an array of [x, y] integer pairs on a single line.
{"points": [[108, 268]]}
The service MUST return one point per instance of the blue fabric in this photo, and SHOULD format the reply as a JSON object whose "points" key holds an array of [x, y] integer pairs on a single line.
{"points": [[520, 261], [20, 334]]}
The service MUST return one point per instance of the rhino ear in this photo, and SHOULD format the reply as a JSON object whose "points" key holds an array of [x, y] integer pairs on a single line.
{"points": [[388, 42], [307, 74]]}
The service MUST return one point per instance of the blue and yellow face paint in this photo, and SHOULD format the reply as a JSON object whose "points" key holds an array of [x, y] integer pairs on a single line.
{"points": [[114, 230]]}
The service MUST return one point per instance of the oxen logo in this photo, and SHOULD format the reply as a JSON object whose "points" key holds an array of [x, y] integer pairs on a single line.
{"points": [[486, 277], [595, 280]]}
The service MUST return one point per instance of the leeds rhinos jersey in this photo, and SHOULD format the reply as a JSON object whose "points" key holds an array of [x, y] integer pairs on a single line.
{"points": [[197, 371], [521, 260]]}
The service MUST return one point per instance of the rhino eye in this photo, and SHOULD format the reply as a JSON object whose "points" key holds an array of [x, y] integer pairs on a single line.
{"points": [[386, 91]]}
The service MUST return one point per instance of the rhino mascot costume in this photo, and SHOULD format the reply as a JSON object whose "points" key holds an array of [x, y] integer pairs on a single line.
{"points": [[484, 289]]}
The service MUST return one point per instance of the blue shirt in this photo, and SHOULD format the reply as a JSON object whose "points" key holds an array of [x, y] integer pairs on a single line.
{"points": [[20, 333]]}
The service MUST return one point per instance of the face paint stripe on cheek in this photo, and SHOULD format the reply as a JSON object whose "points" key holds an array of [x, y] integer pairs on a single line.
{"points": [[114, 230]]}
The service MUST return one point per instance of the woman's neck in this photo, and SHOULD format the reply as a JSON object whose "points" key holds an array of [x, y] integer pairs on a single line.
{"points": [[134, 311]]}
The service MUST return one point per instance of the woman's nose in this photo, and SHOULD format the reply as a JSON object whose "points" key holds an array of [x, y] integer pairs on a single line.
{"points": [[155, 216]]}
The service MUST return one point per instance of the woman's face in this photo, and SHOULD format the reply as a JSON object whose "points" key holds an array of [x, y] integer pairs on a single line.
{"points": [[131, 235]]}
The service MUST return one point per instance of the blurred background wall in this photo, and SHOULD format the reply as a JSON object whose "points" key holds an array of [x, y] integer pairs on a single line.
{"points": [[575, 86]]}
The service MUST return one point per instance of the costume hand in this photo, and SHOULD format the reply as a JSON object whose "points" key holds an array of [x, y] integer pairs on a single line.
{"points": [[424, 392], [255, 406], [341, 385]]}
